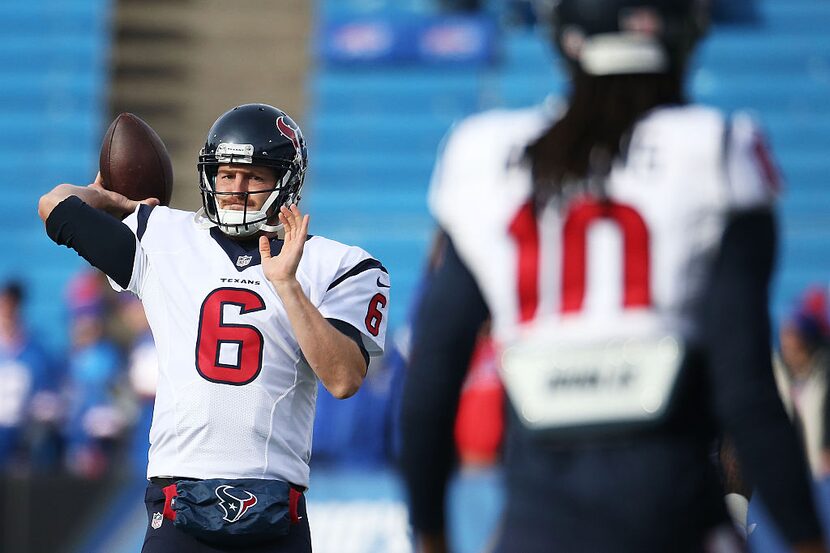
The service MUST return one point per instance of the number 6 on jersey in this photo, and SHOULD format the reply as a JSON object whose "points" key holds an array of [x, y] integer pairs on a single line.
{"points": [[229, 353], [373, 315]]}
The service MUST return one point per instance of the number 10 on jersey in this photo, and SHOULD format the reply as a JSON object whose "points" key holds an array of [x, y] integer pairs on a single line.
{"points": [[524, 230]]}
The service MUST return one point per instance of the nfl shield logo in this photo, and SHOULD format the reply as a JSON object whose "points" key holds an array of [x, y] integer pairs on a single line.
{"points": [[156, 524], [243, 260]]}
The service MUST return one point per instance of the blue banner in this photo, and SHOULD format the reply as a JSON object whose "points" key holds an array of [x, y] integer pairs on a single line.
{"points": [[365, 40], [457, 40], [392, 39]]}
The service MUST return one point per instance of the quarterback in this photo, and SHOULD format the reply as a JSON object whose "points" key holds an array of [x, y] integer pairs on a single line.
{"points": [[248, 311], [623, 247]]}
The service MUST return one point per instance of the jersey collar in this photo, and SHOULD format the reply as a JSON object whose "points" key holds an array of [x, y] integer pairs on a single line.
{"points": [[243, 253]]}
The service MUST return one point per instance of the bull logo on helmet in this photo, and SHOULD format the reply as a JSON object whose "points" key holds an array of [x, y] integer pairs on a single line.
{"points": [[289, 132], [234, 502]]}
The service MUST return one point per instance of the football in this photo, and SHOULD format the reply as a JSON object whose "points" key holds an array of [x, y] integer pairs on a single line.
{"points": [[134, 161]]}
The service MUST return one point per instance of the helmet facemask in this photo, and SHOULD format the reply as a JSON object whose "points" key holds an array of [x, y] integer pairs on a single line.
{"points": [[241, 223]]}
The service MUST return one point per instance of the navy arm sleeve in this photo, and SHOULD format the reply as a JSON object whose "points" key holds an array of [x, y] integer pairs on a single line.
{"points": [[745, 399], [449, 317], [101, 239]]}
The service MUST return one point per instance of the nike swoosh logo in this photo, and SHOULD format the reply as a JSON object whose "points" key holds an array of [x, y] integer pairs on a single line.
{"points": [[382, 285]]}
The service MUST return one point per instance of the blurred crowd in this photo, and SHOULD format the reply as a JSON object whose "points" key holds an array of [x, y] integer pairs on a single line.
{"points": [[87, 410], [801, 369]]}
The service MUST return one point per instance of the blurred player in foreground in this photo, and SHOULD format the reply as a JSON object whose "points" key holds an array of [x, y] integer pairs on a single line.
{"points": [[623, 247], [247, 311]]}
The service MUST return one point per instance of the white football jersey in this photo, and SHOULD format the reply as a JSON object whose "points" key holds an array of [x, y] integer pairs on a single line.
{"points": [[585, 269], [235, 398]]}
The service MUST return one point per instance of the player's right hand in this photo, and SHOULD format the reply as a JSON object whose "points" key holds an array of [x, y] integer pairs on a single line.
{"points": [[114, 203], [94, 195]]}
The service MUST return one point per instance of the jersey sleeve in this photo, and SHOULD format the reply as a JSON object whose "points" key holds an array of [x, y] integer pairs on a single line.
{"points": [[137, 223], [454, 170], [359, 296], [480, 178], [753, 177]]}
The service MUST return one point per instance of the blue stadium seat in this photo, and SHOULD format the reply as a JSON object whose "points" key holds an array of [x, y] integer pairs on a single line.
{"points": [[54, 55], [372, 169], [396, 91], [396, 134], [759, 49], [808, 16]]}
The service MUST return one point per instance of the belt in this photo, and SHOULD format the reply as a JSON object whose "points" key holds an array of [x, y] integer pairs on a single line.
{"points": [[170, 480], [164, 482]]}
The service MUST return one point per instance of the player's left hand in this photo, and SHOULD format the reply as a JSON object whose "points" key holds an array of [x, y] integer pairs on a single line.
{"points": [[282, 269]]}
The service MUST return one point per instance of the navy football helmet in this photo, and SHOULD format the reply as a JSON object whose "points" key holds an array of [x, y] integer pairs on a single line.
{"points": [[255, 134], [613, 37]]}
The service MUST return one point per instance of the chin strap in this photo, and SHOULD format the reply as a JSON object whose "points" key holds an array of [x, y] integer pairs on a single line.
{"points": [[279, 229], [204, 222]]}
